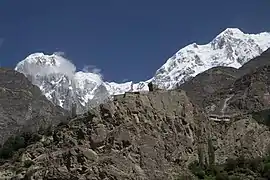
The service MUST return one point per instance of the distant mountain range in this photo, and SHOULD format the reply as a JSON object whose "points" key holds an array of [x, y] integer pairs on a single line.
{"points": [[214, 125], [58, 80]]}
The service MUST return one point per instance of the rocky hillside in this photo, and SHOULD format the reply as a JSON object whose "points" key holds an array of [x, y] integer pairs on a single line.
{"points": [[137, 136], [23, 106], [209, 82], [244, 89], [155, 135]]}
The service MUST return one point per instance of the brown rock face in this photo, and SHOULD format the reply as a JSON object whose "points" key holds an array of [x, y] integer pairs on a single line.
{"points": [[243, 137], [208, 83], [230, 106], [149, 136], [247, 94], [245, 90], [139, 136], [23, 107], [251, 91]]}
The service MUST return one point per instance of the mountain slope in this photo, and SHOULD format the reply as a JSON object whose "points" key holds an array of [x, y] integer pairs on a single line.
{"points": [[23, 107], [231, 48], [231, 90], [59, 81], [140, 136], [155, 135]]}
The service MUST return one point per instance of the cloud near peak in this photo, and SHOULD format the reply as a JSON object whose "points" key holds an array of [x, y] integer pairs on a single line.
{"points": [[41, 64]]}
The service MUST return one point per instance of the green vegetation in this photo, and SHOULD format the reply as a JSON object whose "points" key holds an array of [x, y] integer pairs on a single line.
{"points": [[211, 152], [28, 163], [14, 143], [262, 117], [234, 169], [11, 145]]}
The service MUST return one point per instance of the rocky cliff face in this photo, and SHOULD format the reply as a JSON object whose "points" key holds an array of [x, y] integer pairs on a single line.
{"points": [[154, 135], [244, 90], [139, 136], [230, 98], [208, 83], [23, 107]]}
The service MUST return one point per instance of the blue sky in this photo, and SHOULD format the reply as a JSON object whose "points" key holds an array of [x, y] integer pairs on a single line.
{"points": [[126, 39]]}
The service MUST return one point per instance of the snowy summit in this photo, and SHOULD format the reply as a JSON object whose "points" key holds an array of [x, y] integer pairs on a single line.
{"points": [[60, 83], [231, 48]]}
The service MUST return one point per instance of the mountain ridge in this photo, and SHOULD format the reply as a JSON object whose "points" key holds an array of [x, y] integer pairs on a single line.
{"points": [[231, 48], [59, 81], [23, 106], [244, 89]]}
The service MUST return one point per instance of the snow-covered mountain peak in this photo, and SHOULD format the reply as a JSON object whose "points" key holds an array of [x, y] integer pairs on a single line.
{"points": [[231, 32], [43, 60], [58, 80], [231, 48], [233, 35], [87, 81], [40, 64]]}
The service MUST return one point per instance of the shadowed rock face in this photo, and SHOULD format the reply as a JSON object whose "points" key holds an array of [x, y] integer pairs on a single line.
{"points": [[208, 83], [244, 90], [23, 107], [249, 93], [235, 94]]}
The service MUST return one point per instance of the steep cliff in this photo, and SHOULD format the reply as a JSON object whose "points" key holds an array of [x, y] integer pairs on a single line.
{"points": [[146, 136]]}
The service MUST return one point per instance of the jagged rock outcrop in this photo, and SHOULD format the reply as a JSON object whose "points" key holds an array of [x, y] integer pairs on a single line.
{"points": [[153, 135], [249, 93], [139, 136], [241, 136], [23, 107]]}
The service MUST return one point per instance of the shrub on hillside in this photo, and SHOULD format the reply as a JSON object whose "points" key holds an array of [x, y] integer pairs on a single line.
{"points": [[11, 145], [14, 143]]}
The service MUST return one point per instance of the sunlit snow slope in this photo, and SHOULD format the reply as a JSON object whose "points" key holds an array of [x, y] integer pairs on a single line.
{"points": [[230, 48], [62, 84]]}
